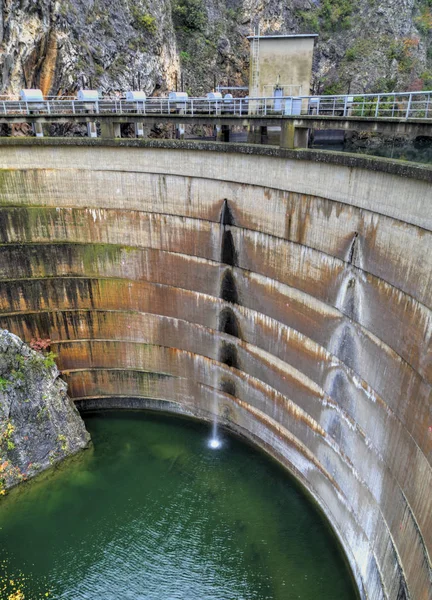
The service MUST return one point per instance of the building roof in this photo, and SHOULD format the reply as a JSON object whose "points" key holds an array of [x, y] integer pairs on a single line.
{"points": [[298, 35]]}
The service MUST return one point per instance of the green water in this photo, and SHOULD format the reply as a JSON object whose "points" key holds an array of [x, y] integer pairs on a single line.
{"points": [[152, 513]]}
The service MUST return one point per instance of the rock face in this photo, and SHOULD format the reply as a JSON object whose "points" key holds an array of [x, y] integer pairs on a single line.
{"points": [[39, 424], [60, 45]]}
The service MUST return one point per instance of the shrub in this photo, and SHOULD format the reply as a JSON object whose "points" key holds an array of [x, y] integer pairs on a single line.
{"points": [[332, 15], [335, 14], [426, 78], [49, 359], [424, 21], [351, 54], [334, 89], [148, 22], [190, 14], [310, 20]]}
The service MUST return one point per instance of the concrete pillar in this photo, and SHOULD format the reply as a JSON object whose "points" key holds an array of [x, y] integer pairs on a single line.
{"points": [[292, 137], [38, 129], [180, 131], [301, 138], [139, 129], [217, 132], [109, 129], [287, 134], [91, 129], [254, 134]]}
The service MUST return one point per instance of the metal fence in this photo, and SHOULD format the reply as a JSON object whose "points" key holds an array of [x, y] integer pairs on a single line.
{"points": [[408, 105]]}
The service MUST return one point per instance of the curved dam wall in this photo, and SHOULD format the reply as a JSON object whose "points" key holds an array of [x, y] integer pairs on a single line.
{"points": [[289, 292]]}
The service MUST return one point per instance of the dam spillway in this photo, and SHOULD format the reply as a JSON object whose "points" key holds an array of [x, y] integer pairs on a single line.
{"points": [[294, 287]]}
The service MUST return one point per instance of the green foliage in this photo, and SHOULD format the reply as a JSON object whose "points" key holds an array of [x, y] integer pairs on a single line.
{"points": [[310, 20], [335, 14], [424, 21], [17, 375], [185, 56], [403, 51], [384, 84], [10, 445], [351, 54], [49, 359], [3, 384], [144, 22], [189, 14], [334, 88], [426, 78], [367, 106], [395, 50], [148, 22], [332, 15], [362, 48], [233, 14]]}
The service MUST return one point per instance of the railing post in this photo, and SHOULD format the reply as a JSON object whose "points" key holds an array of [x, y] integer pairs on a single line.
{"points": [[48, 107], [377, 106], [408, 107], [334, 106], [427, 106], [38, 129], [73, 106], [4, 108]]}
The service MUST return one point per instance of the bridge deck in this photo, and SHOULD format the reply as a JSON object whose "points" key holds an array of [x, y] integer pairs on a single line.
{"points": [[384, 125]]}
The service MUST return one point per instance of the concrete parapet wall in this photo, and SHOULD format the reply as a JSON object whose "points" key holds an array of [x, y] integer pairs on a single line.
{"points": [[295, 289]]}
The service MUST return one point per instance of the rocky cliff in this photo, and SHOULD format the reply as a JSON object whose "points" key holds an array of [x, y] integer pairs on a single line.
{"points": [[39, 424], [60, 45]]}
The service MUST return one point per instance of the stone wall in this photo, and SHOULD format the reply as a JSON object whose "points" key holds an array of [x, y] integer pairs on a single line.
{"points": [[293, 287]]}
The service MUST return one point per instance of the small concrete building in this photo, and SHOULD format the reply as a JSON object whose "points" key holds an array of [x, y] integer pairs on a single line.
{"points": [[281, 65]]}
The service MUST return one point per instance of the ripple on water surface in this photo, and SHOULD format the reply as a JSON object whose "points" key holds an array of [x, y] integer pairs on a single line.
{"points": [[152, 513]]}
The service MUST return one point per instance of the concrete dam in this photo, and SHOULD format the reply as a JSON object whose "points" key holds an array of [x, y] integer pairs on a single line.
{"points": [[289, 292]]}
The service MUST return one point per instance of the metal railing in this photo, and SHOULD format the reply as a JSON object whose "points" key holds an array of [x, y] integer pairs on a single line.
{"points": [[404, 105]]}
